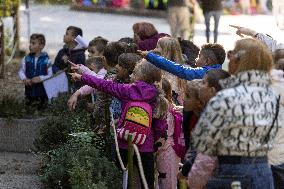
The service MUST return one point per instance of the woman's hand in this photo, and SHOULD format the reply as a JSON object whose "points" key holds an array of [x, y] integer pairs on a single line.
{"points": [[241, 31], [75, 76]]}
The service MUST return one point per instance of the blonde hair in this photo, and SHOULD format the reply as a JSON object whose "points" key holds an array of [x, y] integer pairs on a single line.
{"points": [[153, 75], [251, 54], [171, 50]]}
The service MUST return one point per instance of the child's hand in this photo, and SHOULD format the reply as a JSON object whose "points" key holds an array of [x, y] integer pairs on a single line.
{"points": [[77, 68], [36, 80], [75, 76], [65, 59], [27, 82], [72, 102], [142, 53]]}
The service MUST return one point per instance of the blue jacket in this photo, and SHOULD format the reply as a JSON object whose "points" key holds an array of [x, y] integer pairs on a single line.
{"points": [[34, 69], [181, 71]]}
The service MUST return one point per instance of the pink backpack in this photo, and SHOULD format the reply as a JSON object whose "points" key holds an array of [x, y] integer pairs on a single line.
{"points": [[137, 121], [179, 143]]}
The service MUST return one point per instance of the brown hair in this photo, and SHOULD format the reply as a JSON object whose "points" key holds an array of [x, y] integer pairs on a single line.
{"points": [[214, 76], [278, 54], [39, 37], [112, 52], [214, 51], [280, 65], [194, 86], [252, 55], [99, 42], [75, 31], [167, 88], [144, 30], [128, 61], [98, 60]]}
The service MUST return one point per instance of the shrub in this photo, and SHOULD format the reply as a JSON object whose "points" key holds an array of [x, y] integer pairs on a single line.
{"points": [[78, 164], [11, 107]]}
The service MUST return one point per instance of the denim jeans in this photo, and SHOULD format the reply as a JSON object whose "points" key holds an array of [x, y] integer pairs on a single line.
{"points": [[278, 175], [259, 172], [207, 16]]}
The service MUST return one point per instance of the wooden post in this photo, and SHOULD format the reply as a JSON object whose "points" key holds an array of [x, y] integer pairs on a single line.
{"points": [[2, 49], [130, 163], [16, 27]]}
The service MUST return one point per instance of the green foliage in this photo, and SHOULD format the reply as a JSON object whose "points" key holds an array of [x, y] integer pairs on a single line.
{"points": [[79, 165], [7, 7], [10, 107], [61, 123]]}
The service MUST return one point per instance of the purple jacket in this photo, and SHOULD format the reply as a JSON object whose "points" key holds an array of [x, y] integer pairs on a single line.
{"points": [[138, 91], [151, 42]]}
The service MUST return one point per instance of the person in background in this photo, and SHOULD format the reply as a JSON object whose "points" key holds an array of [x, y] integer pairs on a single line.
{"points": [[211, 9], [178, 17], [146, 35], [35, 67], [97, 46], [70, 51]]}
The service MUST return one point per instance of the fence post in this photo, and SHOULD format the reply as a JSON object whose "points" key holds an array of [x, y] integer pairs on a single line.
{"points": [[130, 163], [2, 49]]}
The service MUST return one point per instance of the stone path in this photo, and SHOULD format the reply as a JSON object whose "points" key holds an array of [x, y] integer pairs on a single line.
{"points": [[19, 171]]}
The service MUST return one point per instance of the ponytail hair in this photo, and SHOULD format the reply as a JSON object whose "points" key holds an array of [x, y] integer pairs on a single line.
{"points": [[162, 104]]}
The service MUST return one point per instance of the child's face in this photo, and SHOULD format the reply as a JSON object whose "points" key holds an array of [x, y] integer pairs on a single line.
{"points": [[191, 102], [35, 46], [68, 37], [136, 74], [93, 51], [206, 92], [121, 73], [201, 61]]}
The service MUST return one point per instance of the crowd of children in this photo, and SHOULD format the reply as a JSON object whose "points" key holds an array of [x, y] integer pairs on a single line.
{"points": [[177, 111]]}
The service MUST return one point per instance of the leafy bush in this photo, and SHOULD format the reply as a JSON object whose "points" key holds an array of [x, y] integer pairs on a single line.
{"points": [[79, 165], [11, 107], [61, 123]]}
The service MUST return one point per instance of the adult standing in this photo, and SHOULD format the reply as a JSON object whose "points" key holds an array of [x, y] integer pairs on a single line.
{"points": [[179, 18], [146, 35], [240, 123], [211, 9]]}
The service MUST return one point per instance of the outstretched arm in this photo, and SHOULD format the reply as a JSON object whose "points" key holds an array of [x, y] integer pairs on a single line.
{"points": [[181, 71]]}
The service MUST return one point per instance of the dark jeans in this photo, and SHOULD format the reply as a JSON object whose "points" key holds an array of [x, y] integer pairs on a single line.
{"points": [[207, 16], [278, 175], [257, 168], [147, 159]]}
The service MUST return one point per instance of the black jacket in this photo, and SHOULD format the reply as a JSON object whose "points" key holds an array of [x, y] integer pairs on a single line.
{"points": [[76, 56]]}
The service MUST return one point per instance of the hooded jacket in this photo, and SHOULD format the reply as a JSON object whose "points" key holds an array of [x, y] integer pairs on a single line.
{"points": [[138, 91]]}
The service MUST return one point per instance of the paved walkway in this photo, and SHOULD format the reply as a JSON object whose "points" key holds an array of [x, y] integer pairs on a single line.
{"points": [[53, 21]]}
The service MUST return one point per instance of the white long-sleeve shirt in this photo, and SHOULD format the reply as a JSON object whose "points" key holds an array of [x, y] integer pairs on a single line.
{"points": [[22, 71]]}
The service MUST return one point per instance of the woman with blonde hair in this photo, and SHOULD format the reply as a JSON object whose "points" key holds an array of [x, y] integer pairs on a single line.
{"points": [[240, 122]]}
